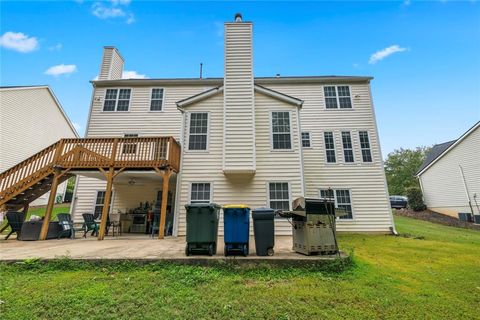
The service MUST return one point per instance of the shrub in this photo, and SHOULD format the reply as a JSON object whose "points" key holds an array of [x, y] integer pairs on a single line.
{"points": [[415, 199]]}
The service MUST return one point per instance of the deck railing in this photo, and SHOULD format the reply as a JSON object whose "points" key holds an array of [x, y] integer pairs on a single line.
{"points": [[91, 153]]}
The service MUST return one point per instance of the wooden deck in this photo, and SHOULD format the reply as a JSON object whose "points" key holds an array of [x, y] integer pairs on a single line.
{"points": [[45, 170]]}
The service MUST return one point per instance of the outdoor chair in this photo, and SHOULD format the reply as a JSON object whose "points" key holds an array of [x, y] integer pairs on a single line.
{"points": [[15, 220], [90, 224], [115, 224], [67, 226]]}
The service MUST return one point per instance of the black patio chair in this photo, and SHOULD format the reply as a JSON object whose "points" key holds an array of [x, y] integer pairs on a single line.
{"points": [[68, 228], [15, 221], [90, 224]]}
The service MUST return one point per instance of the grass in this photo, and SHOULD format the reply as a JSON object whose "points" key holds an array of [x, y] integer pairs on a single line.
{"points": [[429, 272]]}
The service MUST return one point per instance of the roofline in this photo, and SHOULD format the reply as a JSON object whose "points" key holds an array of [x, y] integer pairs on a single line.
{"points": [[279, 95], [462, 137], [62, 111], [198, 97], [219, 81]]}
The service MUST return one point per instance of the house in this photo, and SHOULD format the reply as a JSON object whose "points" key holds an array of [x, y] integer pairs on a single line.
{"points": [[31, 119], [450, 175], [261, 141]]}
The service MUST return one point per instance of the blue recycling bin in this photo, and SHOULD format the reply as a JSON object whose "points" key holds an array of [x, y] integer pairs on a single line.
{"points": [[236, 222]]}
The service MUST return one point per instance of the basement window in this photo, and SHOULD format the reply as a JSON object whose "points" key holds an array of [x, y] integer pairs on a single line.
{"points": [[117, 100], [337, 97], [200, 192], [281, 135], [198, 136], [342, 198], [279, 195]]}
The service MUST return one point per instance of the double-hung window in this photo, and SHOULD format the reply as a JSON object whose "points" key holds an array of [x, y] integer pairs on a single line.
{"points": [[329, 147], [99, 201], [279, 195], [337, 97], [281, 135], [306, 140], [347, 147], [156, 100], [365, 146], [198, 131], [129, 148], [342, 198], [117, 100], [200, 192]]}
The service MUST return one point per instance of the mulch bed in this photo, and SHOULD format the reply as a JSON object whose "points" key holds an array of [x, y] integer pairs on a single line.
{"points": [[436, 217]]}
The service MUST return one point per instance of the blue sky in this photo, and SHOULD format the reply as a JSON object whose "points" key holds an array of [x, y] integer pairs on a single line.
{"points": [[427, 76]]}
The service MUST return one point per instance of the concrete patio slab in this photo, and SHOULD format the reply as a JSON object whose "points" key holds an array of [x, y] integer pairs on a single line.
{"points": [[145, 248]]}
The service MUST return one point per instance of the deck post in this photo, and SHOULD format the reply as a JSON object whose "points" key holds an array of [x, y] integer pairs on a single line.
{"points": [[50, 203], [163, 209], [106, 204]]}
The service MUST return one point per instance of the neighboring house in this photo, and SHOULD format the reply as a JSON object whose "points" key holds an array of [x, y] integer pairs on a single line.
{"points": [[31, 119], [261, 141], [450, 175]]}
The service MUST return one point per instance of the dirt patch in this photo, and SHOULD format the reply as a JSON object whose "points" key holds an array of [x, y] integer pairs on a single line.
{"points": [[436, 217]]}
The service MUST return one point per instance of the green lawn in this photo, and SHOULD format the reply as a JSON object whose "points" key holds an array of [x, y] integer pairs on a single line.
{"points": [[430, 272]]}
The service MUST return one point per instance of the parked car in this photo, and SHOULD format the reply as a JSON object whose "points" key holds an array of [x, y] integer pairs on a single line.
{"points": [[398, 202]]}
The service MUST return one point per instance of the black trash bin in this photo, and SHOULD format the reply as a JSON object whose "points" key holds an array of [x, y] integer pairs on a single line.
{"points": [[264, 231]]}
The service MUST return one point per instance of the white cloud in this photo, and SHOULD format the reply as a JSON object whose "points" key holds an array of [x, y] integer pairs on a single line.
{"points": [[132, 75], [18, 41], [61, 69], [113, 9], [56, 47], [382, 54]]}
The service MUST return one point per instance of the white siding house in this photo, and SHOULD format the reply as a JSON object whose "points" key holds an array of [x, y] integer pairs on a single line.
{"points": [[260, 141], [450, 175], [31, 119]]}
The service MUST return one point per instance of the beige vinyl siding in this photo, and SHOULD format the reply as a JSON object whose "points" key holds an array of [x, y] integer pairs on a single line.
{"points": [[239, 137], [138, 119], [442, 183], [112, 65], [366, 181], [30, 120], [284, 166]]}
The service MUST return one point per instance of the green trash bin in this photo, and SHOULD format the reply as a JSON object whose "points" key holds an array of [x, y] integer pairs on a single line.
{"points": [[202, 228]]}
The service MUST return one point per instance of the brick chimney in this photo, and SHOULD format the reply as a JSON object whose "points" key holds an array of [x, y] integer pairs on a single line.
{"points": [[112, 64]]}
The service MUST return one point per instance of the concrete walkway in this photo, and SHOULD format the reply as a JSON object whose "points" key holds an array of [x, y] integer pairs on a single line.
{"points": [[142, 247]]}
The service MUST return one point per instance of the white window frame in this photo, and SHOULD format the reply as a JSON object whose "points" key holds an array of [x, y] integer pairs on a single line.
{"points": [[199, 182], [289, 193], [309, 139], [343, 146], [337, 96], [369, 144], [336, 202], [163, 100], [116, 99], [95, 202], [189, 118], [334, 147], [290, 132]]}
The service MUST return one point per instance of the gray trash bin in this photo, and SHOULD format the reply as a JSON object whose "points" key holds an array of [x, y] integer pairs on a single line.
{"points": [[264, 231]]}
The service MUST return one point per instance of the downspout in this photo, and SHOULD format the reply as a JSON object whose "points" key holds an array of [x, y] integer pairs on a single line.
{"points": [[179, 176], [466, 190]]}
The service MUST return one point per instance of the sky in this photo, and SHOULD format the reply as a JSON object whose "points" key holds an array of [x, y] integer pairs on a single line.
{"points": [[424, 55]]}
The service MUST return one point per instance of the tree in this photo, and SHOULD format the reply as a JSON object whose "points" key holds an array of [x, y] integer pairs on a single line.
{"points": [[400, 168]]}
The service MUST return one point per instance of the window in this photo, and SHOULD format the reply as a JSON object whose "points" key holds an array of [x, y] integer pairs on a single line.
{"points": [[329, 147], [129, 148], [281, 136], [365, 146], [156, 100], [337, 96], [97, 211], [198, 131], [117, 100], [347, 147], [200, 193], [306, 139], [279, 195], [342, 200]]}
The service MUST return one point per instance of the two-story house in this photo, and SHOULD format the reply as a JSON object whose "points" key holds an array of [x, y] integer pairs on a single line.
{"points": [[260, 141]]}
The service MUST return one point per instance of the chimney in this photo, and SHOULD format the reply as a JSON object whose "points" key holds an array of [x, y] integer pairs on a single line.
{"points": [[239, 117], [112, 64]]}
